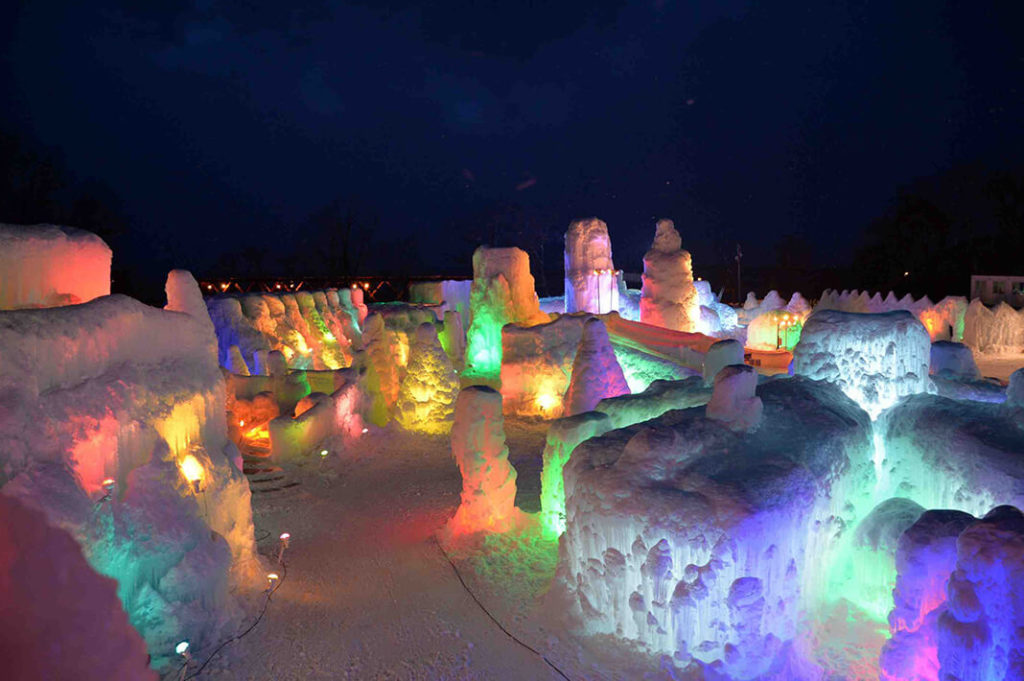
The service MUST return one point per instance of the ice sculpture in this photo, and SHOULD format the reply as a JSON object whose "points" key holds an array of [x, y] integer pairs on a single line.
{"points": [[733, 401], [874, 358], [668, 297], [488, 479], [426, 397], [537, 365], [591, 281], [58, 618], [596, 373], [925, 557], [980, 631], [1015, 390], [696, 540], [49, 266], [997, 331], [720, 355], [382, 370], [502, 293], [953, 361]]}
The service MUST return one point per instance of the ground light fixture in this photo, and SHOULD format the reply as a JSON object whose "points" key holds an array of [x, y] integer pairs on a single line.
{"points": [[285, 538]]}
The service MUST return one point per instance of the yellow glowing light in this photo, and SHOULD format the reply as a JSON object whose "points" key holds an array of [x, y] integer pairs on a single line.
{"points": [[192, 469], [271, 578], [324, 452], [109, 482], [241, 424], [224, 287], [366, 285], [547, 401]]}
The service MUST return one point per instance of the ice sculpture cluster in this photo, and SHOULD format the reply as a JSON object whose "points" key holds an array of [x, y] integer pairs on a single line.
{"points": [[591, 280], [426, 397], [502, 292], [773, 323], [996, 331], [314, 330], [49, 266], [488, 479], [116, 390], [874, 358], [596, 373], [704, 542], [668, 297], [944, 320]]}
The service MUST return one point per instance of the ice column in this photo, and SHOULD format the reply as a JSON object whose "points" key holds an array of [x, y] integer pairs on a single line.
{"points": [[488, 479], [668, 297], [591, 282], [426, 398]]}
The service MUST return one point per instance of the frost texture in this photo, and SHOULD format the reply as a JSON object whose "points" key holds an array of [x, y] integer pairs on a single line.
{"points": [[874, 358]]}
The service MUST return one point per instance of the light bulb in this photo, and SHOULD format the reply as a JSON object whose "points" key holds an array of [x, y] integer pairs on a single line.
{"points": [[181, 648]]}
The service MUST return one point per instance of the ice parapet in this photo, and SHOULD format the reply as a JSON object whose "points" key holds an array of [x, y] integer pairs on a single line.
{"points": [[698, 540], [49, 266], [668, 296], [591, 282], [874, 358], [596, 373]]}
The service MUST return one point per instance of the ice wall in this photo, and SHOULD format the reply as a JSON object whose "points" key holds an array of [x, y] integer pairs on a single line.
{"points": [[668, 297], [382, 364], [51, 602], [49, 266], [591, 280], [114, 389], [426, 396], [488, 479], [313, 329], [325, 419], [696, 540], [944, 320], [874, 358], [452, 295], [996, 331]]}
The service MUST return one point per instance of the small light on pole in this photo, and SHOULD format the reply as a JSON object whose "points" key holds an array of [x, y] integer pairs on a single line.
{"points": [[182, 649], [365, 431], [272, 578], [285, 538], [108, 489]]}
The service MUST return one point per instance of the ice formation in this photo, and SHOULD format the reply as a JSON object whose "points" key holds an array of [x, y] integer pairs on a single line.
{"points": [[488, 479], [58, 618], [596, 373], [426, 397], [996, 331], [380, 348], [502, 293], [733, 401], [874, 358], [114, 389], [953, 360], [668, 297], [451, 295], [944, 320], [49, 266], [537, 364], [1015, 390], [699, 541], [720, 355], [591, 281]]}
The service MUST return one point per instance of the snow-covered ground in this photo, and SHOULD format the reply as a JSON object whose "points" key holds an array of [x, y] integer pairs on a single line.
{"points": [[998, 366], [369, 594]]}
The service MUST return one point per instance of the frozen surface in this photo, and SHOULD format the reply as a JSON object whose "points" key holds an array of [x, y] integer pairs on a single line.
{"points": [[697, 540], [596, 373], [669, 298], [591, 281], [874, 358], [426, 396], [49, 266], [59, 619]]}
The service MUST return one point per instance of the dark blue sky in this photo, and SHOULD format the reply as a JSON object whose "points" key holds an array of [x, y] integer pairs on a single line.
{"points": [[224, 125]]}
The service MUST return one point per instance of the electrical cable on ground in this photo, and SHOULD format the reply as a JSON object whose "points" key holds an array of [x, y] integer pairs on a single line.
{"points": [[492, 618]]}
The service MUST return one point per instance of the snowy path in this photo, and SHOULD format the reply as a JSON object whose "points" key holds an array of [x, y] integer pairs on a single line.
{"points": [[368, 593]]}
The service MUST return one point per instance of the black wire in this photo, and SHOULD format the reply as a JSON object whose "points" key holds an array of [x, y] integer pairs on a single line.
{"points": [[493, 619]]}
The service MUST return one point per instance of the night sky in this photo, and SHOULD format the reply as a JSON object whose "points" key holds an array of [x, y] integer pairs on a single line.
{"points": [[223, 126]]}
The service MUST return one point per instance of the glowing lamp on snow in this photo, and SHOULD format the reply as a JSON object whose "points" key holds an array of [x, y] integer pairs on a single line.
{"points": [[272, 578], [547, 401], [108, 489], [365, 431], [181, 648], [285, 538], [324, 452], [192, 470], [241, 424]]}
